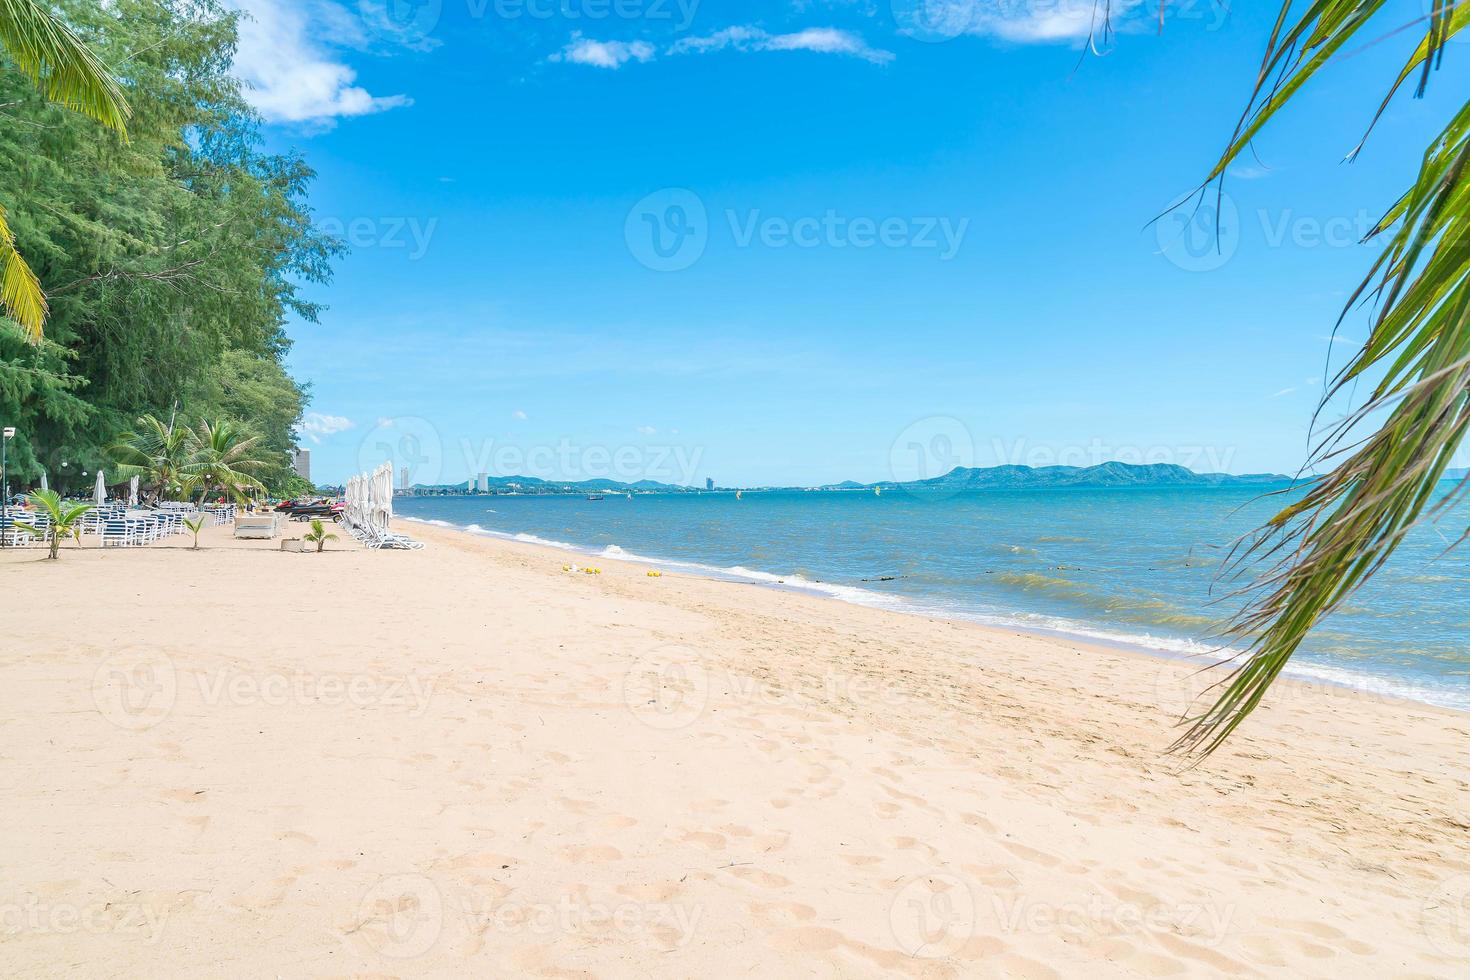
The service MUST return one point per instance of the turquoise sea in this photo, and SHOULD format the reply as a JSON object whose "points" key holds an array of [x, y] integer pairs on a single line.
{"points": [[1137, 567]]}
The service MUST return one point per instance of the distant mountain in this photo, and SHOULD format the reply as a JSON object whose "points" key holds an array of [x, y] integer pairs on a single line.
{"points": [[1089, 477], [959, 478], [1459, 474]]}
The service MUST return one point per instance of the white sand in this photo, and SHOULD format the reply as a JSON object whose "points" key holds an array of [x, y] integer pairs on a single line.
{"points": [[467, 762]]}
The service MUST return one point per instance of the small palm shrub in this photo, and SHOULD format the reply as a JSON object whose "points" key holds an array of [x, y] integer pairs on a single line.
{"points": [[66, 519], [318, 535]]}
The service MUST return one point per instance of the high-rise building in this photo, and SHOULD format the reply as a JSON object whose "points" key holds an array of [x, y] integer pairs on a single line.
{"points": [[482, 482], [301, 463], [403, 478], [709, 483]]}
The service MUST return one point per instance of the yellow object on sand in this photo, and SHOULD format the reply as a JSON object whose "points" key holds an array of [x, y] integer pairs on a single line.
{"points": [[655, 574]]}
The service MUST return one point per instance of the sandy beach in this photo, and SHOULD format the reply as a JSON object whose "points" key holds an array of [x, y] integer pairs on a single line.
{"points": [[470, 761]]}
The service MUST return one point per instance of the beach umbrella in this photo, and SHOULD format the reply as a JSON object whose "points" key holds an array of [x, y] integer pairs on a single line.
{"points": [[387, 494], [99, 493], [383, 494], [133, 492]]}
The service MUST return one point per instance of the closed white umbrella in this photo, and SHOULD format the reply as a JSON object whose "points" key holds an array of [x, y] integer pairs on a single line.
{"points": [[387, 494], [99, 493], [383, 494], [43, 481], [133, 492]]}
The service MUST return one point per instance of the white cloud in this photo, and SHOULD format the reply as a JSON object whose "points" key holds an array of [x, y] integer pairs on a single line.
{"points": [[315, 425], [647, 430], [822, 40], [1249, 172], [518, 415], [604, 54], [1027, 22], [290, 75]]}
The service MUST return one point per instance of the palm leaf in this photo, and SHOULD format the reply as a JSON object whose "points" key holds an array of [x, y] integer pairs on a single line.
{"points": [[63, 68], [1318, 550], [21, 297]]}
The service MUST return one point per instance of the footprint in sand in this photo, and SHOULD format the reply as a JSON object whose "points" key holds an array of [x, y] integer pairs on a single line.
{"points": [[764, 879], [592, 854], [708, 840]]}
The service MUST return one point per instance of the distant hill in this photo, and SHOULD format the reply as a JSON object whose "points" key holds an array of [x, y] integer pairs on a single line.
{"points": [[959, 478], [1091, 477], [1459, 474]]}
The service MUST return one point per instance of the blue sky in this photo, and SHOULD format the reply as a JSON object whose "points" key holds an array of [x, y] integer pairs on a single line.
{"points": [[790, 243]]}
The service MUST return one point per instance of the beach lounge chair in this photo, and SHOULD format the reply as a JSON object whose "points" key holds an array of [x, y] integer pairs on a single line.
{"points": [[117, 532], [255, 526]]}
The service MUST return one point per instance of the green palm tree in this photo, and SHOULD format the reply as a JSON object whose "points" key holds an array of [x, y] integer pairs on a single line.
{"points": [[1383, 477], [68, 73], [226, 458], [65, 519], [157, 453]]}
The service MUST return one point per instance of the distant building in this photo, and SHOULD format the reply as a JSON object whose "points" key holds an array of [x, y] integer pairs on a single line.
{"points": [[469, 485], [482, 482], [709, 483], [403, 478], [301, 463]]}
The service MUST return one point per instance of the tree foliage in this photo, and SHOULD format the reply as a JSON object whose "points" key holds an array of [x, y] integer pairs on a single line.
{"points": [[171, 260]]}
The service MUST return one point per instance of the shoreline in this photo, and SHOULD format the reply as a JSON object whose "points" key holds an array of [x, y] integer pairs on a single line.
{"points": [[467, 760], [1371, 686]]}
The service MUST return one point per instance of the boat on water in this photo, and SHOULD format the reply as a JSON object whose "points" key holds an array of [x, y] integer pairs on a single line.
{"points": [[594, 496], [738, 493], [877, 491]]}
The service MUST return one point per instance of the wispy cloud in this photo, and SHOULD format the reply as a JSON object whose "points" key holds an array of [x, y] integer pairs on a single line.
{"points": [[291, 75], [820, 40], [1052, 21], [315, 426], [518, 415], [647, 430], [604, 54]]}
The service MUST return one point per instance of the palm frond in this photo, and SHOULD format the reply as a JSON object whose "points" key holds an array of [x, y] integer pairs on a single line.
{"points": [[1318, 550], [21, 297], [63, 68]]}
